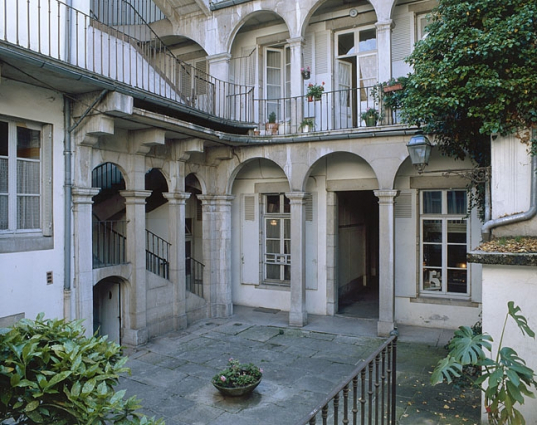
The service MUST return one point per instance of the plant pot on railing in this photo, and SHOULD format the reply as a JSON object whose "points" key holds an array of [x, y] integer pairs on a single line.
{"points": [[393, 87], [272, 127]]}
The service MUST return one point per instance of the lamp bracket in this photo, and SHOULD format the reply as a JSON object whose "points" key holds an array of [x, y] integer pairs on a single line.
{"points": [[475, 175]]}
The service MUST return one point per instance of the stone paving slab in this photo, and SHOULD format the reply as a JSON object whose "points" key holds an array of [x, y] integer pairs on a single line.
{"points": [[172, 374]]}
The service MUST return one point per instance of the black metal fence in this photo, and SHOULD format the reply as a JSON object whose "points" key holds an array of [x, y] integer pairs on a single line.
{"points": [[109, 243], [194, 276], [157, 254], [366, 396]]}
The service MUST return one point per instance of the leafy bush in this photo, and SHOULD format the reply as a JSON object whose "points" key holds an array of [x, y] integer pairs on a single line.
{"points": [[51, 373], [237, 375], [506, 379]]}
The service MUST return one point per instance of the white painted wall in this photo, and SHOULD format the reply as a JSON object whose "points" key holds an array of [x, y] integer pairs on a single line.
{"points": [[23, 284], [502, 284]]}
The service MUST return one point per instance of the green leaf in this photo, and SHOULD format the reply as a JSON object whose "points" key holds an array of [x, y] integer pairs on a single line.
{"points": [[466, 347], [31, 406], [446, 369], [520, 320], [58, 378]]}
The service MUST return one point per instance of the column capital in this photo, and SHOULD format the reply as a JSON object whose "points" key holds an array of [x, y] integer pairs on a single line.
{"points": [[384, 25], [135, 196], [83, 195], [386, 195], [219, 57], [296, 41], [215, 199], [297, 197], [177, 197]]}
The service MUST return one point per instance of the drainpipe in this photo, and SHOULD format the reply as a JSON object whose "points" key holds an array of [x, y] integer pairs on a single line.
{"points": [[516, 218]]}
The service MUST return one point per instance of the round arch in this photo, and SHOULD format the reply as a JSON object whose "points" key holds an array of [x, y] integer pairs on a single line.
{"points": [[257, 167]]}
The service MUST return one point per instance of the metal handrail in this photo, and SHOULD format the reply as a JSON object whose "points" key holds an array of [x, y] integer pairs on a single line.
{"points": [[376, 401], [157, 255], [128, 54], [194, 276], [109, 243]]}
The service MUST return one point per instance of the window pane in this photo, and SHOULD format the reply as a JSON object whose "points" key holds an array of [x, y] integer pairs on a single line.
{"points": [[287, 247], [3, 212], [432, 230], [456, 231], [28, 212], [274, 59], [287, 272], [432, 279], [368, 40], [287, 228], [286, 205], [273, 228], [28, 179], [3, 138], [273, 203], [457, 281], [3, 175], [273, 247], [28, 143], [432, 202], [432, 255], [273, 271], [456, 201], [457, 256], [345, 44]]}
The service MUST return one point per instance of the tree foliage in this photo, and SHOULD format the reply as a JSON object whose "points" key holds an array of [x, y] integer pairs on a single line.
{"points": [[50, 373], [474, 75]]}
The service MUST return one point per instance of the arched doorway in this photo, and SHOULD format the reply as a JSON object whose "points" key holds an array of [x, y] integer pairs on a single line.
{"points": [[107, 309]]}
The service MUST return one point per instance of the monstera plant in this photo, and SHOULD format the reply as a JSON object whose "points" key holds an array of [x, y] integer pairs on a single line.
{"points": [[505, 379]]}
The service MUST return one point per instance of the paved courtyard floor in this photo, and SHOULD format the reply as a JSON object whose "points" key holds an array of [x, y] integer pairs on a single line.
{"points": [[172, 373]]}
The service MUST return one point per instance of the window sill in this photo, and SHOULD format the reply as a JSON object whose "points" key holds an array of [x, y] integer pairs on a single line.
{"points": [[23, 243], [274, 286], [431, 299]]}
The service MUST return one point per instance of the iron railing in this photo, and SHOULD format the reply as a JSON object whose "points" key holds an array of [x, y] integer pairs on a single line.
{"points": [[194, 276], [367, 396], [115, 41], [157, 255], [109, 243], [333, 111]]}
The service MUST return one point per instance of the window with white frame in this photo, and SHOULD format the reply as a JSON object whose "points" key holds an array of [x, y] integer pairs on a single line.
{"points": [[444, 241], [278, 81], [20, 177], [277, 239]]}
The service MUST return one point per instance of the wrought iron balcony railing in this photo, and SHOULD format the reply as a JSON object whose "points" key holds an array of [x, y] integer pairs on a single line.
{"points": [[114, 41]]}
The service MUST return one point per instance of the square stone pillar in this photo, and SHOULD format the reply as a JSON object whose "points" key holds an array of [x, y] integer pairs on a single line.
{"points": [[386, 321], [83, 254], [134, 326], [298, 315], [332, 305], [296, 114], [176, 228], [217, 253], [384, 45]]}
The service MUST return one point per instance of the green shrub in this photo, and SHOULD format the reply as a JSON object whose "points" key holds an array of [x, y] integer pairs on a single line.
{"points": [[51, 373]]}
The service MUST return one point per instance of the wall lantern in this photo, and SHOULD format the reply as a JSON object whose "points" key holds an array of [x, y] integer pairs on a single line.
{"points": [[419, 149]]}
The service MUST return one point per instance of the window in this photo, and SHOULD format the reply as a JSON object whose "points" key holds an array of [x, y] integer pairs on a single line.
{"points": [[25, 187], [278, 81], [277, 235], [444, 242]]}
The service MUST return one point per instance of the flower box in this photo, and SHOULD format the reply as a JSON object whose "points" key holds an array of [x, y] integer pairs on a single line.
{"points": [[393, 87]]}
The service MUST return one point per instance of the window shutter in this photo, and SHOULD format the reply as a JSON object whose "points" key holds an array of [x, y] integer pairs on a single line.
{"points": [[309, 208], [401, 39], [321, 53], [403, 205], [249, 240], [307, 51], [47, 180]]}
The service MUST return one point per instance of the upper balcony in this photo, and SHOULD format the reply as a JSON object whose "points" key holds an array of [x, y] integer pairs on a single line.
{"points": [[52, 44]]}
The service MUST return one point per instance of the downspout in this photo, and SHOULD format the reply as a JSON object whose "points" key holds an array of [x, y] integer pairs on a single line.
{"points": [[516, 218]]}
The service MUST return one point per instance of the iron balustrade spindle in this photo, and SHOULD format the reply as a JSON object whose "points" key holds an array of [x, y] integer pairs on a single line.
{"points": [[373, 392]]}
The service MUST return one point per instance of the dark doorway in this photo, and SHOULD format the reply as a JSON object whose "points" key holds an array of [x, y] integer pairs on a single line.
{"points": [[357, 259]]}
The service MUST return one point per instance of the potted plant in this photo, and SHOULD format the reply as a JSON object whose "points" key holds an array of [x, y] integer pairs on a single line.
{"points": [[307, 125], [237, 379], [272, 126], [315, 91], [370, 116], [306, 72]]}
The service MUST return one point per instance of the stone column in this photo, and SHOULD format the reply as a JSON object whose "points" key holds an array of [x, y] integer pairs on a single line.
{"points": [[135, 324], [386, 321], [331, 254], [217, 253], [296, 47], [298, 315], [83, 254], [176, 228], [384, 45], [219, 68]]}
